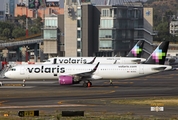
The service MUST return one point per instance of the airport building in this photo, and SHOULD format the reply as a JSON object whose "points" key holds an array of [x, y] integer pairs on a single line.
{"points": [[173, 28], [106, 30]]}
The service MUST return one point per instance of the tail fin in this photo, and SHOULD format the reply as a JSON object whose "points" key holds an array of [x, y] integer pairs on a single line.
{"points": [[136, 51], [159, 54]]}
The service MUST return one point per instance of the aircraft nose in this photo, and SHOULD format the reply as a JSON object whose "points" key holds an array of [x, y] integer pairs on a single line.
{"points": [[7, 74]]}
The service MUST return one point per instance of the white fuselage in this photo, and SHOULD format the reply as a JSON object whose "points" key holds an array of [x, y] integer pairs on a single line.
{"points": [[104, 71], [102, 60]]}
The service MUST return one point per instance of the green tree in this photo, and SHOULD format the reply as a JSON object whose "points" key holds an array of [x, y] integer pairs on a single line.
{"points": [[23, 17], [1, 31], [34, 30], [8, 25], [36, 26], [6, 32], [163, 31], [18, 32]]}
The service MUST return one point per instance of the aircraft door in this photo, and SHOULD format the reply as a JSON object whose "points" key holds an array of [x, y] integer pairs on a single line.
{"points": [[121, 61], [141, 69], [22, 71], [55, 61]]}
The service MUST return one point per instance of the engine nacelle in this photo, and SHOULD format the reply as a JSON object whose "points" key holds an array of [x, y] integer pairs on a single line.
{"points": [[67, 80]]}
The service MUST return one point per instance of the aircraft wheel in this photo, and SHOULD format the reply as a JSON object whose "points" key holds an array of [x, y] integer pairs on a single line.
{"points": [[89, 84], [85, 84]]}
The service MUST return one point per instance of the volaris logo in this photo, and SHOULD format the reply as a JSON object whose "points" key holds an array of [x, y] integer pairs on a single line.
{"points": [[158, 55], [136, 50]]}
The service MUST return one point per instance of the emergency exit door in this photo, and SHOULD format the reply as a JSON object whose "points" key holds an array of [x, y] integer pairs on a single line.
{"points": [[141, 69]]}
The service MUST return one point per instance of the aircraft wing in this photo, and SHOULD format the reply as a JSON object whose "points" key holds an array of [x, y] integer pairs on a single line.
{"points": [[89, 73]]}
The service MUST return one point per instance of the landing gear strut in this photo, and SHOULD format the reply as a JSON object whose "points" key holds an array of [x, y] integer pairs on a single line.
{"points": [[87, 84], [23, 83]]}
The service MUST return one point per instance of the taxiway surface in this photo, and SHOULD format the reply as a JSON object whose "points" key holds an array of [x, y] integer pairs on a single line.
{"points": [[49, 95]]}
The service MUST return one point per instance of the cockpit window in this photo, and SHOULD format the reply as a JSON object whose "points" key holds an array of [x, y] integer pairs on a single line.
{"points": [[13, 69]]}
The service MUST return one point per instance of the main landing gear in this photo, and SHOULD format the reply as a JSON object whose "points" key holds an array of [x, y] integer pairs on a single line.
{"points": [[87, 84]]}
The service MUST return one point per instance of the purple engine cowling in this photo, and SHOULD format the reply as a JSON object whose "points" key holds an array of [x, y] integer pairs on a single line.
{"points": [[65, 80]]}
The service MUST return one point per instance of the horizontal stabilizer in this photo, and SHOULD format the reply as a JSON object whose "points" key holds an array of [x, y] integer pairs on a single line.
{"points": [[137, 60], [159, 68]]}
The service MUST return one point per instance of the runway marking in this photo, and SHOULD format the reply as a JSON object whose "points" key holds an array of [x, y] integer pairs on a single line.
{"points": [[123, 82], [135, 79], [120, 82], [8, 84], [60, 102], [2, 102], [28, 82], [109, 92], [43, 106], [17, 87], [173, 74], [147, 101]]}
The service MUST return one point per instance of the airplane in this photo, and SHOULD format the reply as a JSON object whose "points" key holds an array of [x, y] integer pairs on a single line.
{"points": [[173, 60], [69, 74], [133, 57]]}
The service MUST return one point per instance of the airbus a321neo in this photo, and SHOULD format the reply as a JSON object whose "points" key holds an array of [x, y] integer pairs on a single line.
{"points": [[68, 74]]}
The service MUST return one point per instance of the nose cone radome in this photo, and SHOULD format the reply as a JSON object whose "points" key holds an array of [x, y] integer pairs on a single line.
{"points": [[7, 74]]}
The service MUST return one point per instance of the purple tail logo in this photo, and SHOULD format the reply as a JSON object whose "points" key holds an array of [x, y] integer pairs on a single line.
{"points": [[158, 55], [136, 50]]}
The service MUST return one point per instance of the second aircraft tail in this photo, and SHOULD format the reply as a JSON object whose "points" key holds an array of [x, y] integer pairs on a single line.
{"points": [[159, 54], [136, 51]]}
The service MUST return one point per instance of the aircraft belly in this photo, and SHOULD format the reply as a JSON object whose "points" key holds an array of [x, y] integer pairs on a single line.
{"points": [[42, 76]]}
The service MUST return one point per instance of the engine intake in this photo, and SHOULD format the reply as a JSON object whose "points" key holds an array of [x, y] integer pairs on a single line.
{"points": [[67, 80]]}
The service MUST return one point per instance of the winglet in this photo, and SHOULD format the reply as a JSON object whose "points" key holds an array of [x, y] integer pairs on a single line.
{"points": [[95, 68], [136, 51], [115, 62], [91, 62]]}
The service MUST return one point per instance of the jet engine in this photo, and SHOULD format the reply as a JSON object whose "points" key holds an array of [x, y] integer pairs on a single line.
{"points": [[68, 80]]}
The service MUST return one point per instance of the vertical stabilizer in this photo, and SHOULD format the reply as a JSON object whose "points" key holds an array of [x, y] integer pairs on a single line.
{"points": [[136, 51], [159, 54]]}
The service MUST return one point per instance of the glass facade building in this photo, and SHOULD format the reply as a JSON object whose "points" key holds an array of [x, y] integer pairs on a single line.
{"points": [[79, 32], [51, 25], [117, 28], [107, 29], [11, 7]]}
